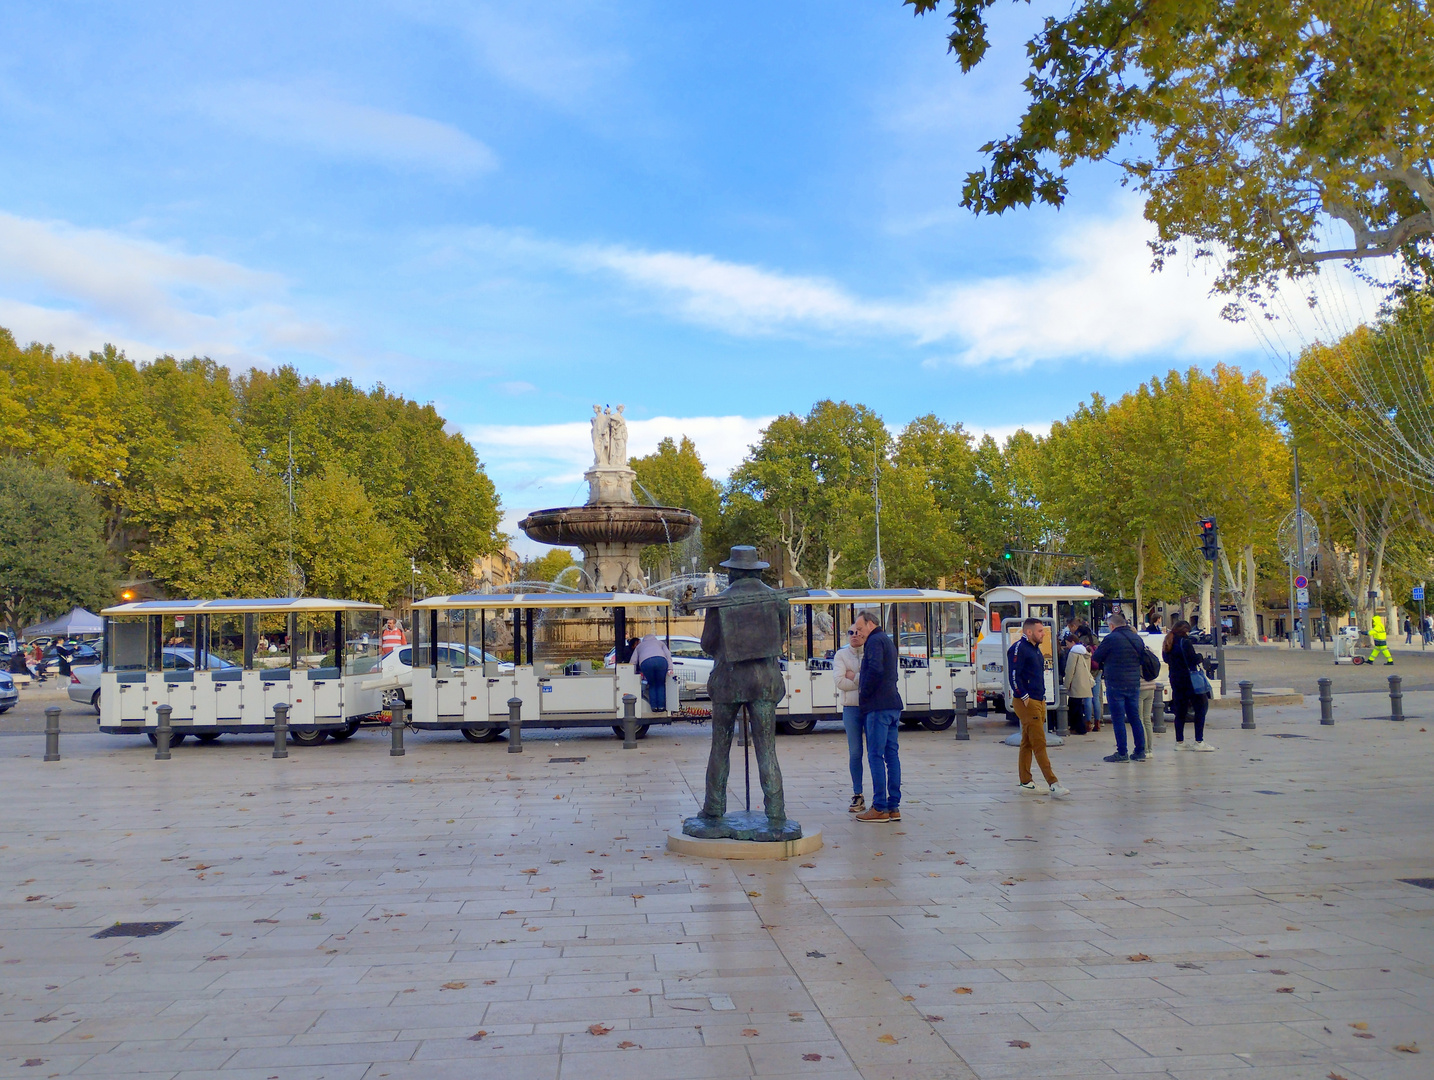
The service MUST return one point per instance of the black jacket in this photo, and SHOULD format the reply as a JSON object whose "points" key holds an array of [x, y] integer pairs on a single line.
{"points": [[1180, 661], [1028, 670], [1119, 659], [877, 685]]}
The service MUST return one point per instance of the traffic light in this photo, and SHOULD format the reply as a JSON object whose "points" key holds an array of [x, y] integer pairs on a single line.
{"points": [[1006, 553], [1209, 538]]}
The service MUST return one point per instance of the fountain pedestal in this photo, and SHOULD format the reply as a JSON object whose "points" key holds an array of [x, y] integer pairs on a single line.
{"points": [[610, 486]]}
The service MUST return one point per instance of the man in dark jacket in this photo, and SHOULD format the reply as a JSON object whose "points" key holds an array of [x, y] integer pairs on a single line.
{"points": [[1028, 683], [880, 704], [1118, 658]]}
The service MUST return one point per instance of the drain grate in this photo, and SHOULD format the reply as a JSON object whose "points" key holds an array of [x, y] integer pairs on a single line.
{"points": [[566, 760], [1422, 882], [136, 929]]}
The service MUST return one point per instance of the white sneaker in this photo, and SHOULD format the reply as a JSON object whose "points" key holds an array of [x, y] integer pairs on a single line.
{"points": [[1204, 747], [1028, 788], [1059, 790]]}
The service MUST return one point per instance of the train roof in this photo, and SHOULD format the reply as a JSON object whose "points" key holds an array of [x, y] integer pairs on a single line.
{"points": [[239, 605], [500, 601]]}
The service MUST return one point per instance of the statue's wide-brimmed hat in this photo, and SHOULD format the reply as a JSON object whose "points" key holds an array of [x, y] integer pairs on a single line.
{"points": [[744, 557]]}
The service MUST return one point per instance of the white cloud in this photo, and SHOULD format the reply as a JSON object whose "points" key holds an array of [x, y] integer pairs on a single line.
{"points": [[1094, 295], [315, 118], [79, 288]]}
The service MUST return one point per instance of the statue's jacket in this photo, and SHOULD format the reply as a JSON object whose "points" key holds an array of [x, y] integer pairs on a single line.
{"points": [[746, 643]]}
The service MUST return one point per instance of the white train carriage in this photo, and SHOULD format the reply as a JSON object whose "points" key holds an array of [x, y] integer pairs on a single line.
{"points": [[222, 665], [1007, 607], [933, 634], [475, 651]]}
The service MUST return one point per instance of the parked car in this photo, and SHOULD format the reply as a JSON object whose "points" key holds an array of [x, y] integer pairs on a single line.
{"points": [[85, 678], [400, 662], [9, 695], [691, 665]]}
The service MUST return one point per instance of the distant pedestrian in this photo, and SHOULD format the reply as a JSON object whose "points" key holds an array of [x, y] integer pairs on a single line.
{"points": [[1380, 637], [1428, 629], [1189, 688], [1408, 631], [880, 702], [392, 637], [846, 666], [1118, 659], [1028, 683], [653, 659], [1080, 684]]}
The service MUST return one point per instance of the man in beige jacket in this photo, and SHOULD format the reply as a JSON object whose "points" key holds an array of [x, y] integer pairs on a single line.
{"points": [[846, 666]]}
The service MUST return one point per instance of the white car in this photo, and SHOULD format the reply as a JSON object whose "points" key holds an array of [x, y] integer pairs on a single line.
{"points": [[400, 662]]}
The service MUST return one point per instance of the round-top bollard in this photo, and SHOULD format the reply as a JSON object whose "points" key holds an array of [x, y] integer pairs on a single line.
{"points": [[281, 730], [52, 733], [1096, 697], [629, 721], [398, 718], [515, 725], [1247, 704], [1326, 704], [162, 733], [1396, 698], [963, 729], [1157, 711], [1063, 717]]}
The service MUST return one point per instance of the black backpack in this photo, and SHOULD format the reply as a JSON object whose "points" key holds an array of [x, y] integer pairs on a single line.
{"points": [[1149, 664]]}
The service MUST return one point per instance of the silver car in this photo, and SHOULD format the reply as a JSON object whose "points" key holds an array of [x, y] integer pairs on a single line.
{"points": [[9, 696], [85, 678]]}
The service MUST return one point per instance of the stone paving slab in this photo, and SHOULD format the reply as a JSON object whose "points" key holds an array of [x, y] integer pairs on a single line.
{"points": [[465, 912]]}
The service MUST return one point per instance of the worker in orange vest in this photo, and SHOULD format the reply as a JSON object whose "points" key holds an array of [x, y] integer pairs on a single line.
{"points": [[392, 637]]}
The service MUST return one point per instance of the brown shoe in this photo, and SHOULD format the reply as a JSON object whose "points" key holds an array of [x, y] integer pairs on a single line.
{"points": [[893, 815], [874, 815]]}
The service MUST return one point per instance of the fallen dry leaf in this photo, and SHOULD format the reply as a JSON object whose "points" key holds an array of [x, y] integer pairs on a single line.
{"points": [[933, 1019], [1360, 1025], [1284, 989], [809, 866], [750, 1033], [1019, 1044], [453, 986], [1362, 1035], [1137, 958], [963, 990], [490, 982], [478, 1036], [626, 1045], [1408, 1048], [634, 989], [907, 997], [1278, 971], [1336, 1076], [754, 894], [811, 1057], [888, 1038], [33, 1061], [598, 1029], [530, 870]]}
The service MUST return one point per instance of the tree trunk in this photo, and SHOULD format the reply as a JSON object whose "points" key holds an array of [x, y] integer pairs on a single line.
{"points": [[1207, 589], [1251, 635], [1140, 579], [832, 559]]}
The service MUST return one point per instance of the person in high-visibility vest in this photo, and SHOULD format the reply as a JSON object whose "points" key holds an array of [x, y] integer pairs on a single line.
{"points": [[393, 636], [1380, 638]]}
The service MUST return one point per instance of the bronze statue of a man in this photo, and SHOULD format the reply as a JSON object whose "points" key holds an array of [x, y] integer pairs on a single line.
{"points": [[744, 632]]}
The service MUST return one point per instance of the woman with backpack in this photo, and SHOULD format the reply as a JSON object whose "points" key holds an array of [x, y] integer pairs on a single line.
{"points": [[1189, 688]]}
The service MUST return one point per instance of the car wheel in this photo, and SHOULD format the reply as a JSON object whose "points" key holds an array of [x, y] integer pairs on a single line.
{"points": [[95, 701], [482, 733], [6, 708], [208, 737], [641, 732], [308, 736], [939, 721], [345, 732], [797, 727], [393, 697]]}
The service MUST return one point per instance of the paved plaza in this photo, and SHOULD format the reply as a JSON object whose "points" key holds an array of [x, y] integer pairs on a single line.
{"points": [[465, 912]]}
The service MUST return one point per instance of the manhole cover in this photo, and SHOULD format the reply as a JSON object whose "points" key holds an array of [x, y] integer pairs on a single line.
{"points": [[1422, 882], [566, 760], [136, 929], [1283, 735], [1266, 791]]}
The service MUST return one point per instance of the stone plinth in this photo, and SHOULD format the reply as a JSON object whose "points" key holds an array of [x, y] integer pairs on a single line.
{"points": [[610, 485], [682, 844]]}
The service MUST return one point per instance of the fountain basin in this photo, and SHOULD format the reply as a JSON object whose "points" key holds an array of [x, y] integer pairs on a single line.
{"points": [[591, 525]]}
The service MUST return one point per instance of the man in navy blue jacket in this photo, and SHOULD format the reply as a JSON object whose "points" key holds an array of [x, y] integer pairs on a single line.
{"points": [[1028, 682], [1118, 658], [880, 704]]}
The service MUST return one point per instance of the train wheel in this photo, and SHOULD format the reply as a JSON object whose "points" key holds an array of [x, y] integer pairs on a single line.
{"points": [[939, 721], [208, 737], [482, 733], [797, 727], [345, 732], [641, 730], [308, 736]]}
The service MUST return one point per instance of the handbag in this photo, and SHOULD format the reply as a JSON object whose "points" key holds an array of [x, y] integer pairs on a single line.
{"points": [[1199, 684]]}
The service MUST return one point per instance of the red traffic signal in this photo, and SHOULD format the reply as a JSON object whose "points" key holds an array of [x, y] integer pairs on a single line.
{"points": [[1209, 538]]}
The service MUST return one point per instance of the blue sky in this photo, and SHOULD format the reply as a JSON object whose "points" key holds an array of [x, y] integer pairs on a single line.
{"points": [[712, 213]]}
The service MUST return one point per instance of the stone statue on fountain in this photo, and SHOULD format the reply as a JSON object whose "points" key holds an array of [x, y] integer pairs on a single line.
{"points": [[609, 479]]}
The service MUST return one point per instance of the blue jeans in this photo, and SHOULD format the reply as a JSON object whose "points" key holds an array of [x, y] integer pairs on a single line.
{"points": [[654, 670], [881, 755], [1125, 709], [855, 729]]}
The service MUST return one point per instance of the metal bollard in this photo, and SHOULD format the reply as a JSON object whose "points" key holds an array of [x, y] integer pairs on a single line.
{"points": [[1095, 702], [162, 733], [281, 730], [1247, 705], [52, 733], [1396, 698], [1157, 711], [1063, 718], [1326, 704], [963, 730], [515, 725], [398, 717], [629, 722]]}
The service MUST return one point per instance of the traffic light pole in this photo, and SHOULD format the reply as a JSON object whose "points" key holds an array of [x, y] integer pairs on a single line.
{"points": [[1218, 629]]}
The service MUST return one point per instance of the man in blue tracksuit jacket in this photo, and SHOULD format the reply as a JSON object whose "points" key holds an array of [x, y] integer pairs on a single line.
{"points": [[1028, 684], [880, 702]]}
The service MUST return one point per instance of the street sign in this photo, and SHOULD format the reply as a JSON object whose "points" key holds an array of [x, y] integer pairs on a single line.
{"points": [[1302, 597], [1419, 592], [1302, 582]]}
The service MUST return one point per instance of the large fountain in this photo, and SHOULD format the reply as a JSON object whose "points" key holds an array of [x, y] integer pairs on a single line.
{"points": [[611, 528]]}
